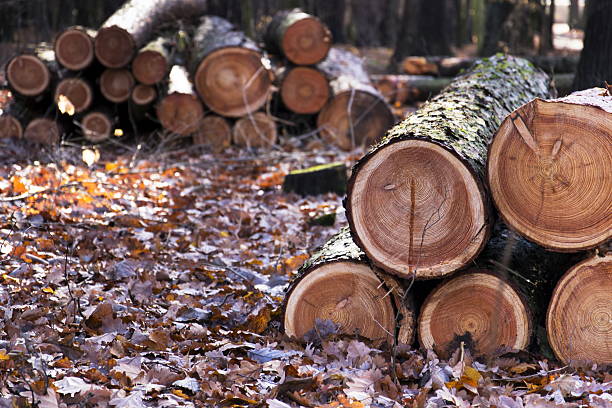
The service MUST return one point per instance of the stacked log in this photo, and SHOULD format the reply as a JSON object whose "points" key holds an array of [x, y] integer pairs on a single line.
{"points": [[180, 110]]}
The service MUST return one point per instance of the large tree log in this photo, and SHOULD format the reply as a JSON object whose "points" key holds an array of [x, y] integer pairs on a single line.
{"points": [[302, 38], [416, 202], [512, 278], [151, 64], [256, 130], [130, 27], [227, 69], [338, 284], [180, 110], [579, 318], [116, 84], [74, 48], [304, 90], [549, 170], [357, 114]]}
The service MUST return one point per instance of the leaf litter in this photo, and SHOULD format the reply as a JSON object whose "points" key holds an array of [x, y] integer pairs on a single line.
{"points": [[148, 282]]}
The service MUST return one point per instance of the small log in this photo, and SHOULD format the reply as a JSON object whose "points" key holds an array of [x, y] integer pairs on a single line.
{"points": [[416, 203], [141, 108], [143, 95], [357, 114], [325, 178], [32, 75], [130, 27], [98, 125], [227, 69], [579, 318], [116, 84], [302, 38], [73, 95], [151, 64], [546, 170], [180, 110], [44, 131], [337, 284], [304, 90], [256, 130], [214, 132], [74, 48]]}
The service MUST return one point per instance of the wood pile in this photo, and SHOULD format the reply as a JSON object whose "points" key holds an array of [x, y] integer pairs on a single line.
{"points": [[166, 64], [419, 207]]}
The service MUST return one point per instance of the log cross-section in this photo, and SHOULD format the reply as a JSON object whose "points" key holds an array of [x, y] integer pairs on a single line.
{"points": [[416, 202]]}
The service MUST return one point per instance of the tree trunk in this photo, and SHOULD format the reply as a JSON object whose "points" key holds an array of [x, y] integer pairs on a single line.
{"points": [[416, 203], [151, 64], [302, 38], [227, 69], [546, 170], [338, 284], [180, 110], [574, 15], [357, 114], [578, 318], [304, 90], [497, 12], [214, 132], [74, 48], [595, 64], [256, 130], [133, 25], [116, 84]]}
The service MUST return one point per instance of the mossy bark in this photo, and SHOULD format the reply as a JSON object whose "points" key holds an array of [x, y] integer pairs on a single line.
{"points": [[317, 180]]}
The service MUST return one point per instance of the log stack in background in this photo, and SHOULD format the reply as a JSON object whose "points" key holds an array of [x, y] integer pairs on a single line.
{"points": [[419, 209]]}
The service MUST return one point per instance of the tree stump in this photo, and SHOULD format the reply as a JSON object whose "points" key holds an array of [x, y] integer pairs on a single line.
{"points": [[549, 170], [302, 38], [337, 284], [579, 318], [416, 203], [326, 178], [357, 114]]}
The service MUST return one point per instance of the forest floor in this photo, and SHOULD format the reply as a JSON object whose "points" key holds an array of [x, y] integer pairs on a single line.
{"points": [[154, 279]]}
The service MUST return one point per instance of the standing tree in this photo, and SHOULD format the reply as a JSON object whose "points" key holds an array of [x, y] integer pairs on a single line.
{"points": [[595, 64]]}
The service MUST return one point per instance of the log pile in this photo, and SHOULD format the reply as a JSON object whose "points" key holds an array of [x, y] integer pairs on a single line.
{"points": [[419, 206], [166, 64]]}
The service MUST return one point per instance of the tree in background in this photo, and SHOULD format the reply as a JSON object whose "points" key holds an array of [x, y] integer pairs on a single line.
{"points": [[595, 64]]}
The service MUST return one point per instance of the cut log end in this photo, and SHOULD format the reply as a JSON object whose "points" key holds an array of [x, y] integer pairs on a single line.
{"points": [[97, 127], [10, 127], [77, 91], [257, 130], [232, 81], [149, 67], [479, 308], [116, 84], [74, 49], [143, 94], [43, 131], [114, 47], [305, 90], [354, 118], [547, 170], [28, 75], [419, 210], [579, 318], [306, 42], [180, 113], [347, 293], [214, 132]]}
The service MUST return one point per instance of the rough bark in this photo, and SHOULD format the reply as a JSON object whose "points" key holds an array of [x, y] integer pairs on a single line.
{"points": [[227, 69], [130, 27], [546, 170], [357, 114], [344, 304], [595, 64], [440, 212]]}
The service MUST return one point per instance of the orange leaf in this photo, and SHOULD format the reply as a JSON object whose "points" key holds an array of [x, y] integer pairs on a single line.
{"points": [[18, 185]]}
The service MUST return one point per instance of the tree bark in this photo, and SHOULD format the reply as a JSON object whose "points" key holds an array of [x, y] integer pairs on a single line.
{"points": [[546, 170], [338, 284], [416, 203], [302, 38], [227, 69], [130, 27], [180, 110], [497, 13], [595, 64], [578, 318], [357, 113]]}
